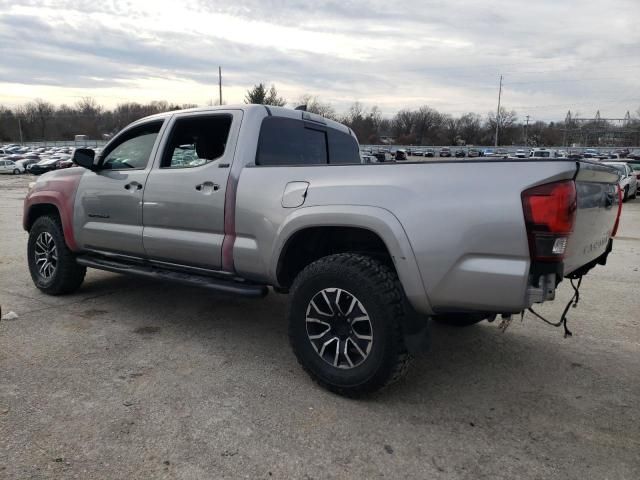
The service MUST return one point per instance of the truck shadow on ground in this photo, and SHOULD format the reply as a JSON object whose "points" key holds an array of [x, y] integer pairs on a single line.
{"points": [[477, 363]]}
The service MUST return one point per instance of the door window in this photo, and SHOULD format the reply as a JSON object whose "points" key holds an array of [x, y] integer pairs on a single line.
{"points": [[132, 149], [197, 140]]}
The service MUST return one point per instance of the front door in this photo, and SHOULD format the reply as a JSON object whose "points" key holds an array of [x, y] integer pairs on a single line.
{"points": [[184, 198], [108, 209]]}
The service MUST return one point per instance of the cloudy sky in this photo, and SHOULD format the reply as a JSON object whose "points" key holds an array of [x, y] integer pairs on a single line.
{"points": [[555, 55]]}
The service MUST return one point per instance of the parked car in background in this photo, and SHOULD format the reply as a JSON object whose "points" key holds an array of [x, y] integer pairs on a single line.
{"points": [[590, 153], [366, 159], [487, 152], [502, 152], [400, 154], [445, 152], [521, 153], [635, 166], [64, 163], [473, 152], [26, 162], [460, 153], [11, 167], [43, 166], [418, 152], [380, 156], [628, 181], [540, 153], [429, 152]]}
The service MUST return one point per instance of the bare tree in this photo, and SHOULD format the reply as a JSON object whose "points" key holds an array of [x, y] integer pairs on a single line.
{"points": [[428, 121], [316, 106], [38, 113], [451, 129]]}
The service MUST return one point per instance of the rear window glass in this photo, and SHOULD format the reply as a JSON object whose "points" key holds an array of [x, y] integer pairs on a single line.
{"points": [[343, 148], [286, 141]]}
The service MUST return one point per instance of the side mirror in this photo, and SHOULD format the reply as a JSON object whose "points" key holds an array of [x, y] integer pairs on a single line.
{"points": [[84, 157]]}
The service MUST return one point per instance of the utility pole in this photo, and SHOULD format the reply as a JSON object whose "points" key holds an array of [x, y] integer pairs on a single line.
{"points": [[526, 131], [498, 111], [20, 130], [220, 82]]}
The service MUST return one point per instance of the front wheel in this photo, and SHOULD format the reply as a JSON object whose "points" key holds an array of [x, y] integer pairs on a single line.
{"points": [[345, 324], [52, 265], [625, 197], [16, 171]]}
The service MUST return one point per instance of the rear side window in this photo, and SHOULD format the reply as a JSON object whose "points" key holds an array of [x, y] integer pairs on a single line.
{"points": [[286, 141], [343, 148]]}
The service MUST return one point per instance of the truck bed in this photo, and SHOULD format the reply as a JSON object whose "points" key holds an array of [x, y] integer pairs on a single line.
{"points": [[463, 219]]}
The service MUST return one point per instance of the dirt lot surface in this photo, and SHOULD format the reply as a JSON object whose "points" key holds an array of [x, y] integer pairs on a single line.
{"points": [[132, 379]]}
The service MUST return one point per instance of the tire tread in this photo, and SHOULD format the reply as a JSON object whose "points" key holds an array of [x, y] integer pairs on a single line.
{"points": [[388, 287]]}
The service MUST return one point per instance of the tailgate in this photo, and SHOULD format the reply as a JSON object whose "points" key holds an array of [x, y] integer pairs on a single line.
{"points": [[597, 197]]}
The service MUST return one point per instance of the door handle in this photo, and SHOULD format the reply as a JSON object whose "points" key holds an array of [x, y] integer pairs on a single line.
{"points": [[207, 187], [128, 186]]}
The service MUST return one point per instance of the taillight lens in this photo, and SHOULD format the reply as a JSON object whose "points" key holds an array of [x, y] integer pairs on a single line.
{"points": [[615, 225], [549, 213]]}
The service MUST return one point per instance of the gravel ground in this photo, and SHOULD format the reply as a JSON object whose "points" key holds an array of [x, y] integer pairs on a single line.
{"points": [[131, 378]]}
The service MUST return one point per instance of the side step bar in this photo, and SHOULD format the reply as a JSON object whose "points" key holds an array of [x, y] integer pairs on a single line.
{"points": [[144, 270]]}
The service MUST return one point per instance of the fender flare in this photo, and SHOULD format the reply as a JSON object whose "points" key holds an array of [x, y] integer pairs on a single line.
{"points": [[375, 219], [62, 203]]}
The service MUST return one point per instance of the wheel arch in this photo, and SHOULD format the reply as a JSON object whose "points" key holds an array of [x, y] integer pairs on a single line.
{"points": [[50, 203], [374, 228]]}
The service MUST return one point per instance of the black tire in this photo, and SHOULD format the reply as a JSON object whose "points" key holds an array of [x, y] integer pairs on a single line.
{"points": [[625, 197], [377, 290], [16, 171], [66, 275], [458, 320], [635, 194]]}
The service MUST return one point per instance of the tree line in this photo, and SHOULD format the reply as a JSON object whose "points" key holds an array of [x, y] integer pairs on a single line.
{"points": [[41, 120]]}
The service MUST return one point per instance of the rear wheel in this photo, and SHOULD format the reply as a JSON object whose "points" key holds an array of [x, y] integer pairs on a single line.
{"points": [[52, 265], [345, 324]]}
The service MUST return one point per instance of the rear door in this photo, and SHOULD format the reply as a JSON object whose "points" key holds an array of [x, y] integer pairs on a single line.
{"points": [[184, 199], [108, 208]]}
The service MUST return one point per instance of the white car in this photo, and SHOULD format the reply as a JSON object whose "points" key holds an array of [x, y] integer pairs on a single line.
{"points": [[521, 153], [628, 182], [9, 166], [541, 153]]}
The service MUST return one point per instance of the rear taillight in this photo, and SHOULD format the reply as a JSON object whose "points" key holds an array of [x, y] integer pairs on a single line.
{"points": [[549, 213], [615, 225]]}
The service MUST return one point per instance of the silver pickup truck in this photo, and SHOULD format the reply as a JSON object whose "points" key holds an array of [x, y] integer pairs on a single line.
{"points": [[237, 199]]}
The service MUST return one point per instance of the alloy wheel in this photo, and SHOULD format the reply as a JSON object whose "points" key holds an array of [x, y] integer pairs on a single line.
{"points": [[46, 255], [339, 328]]}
